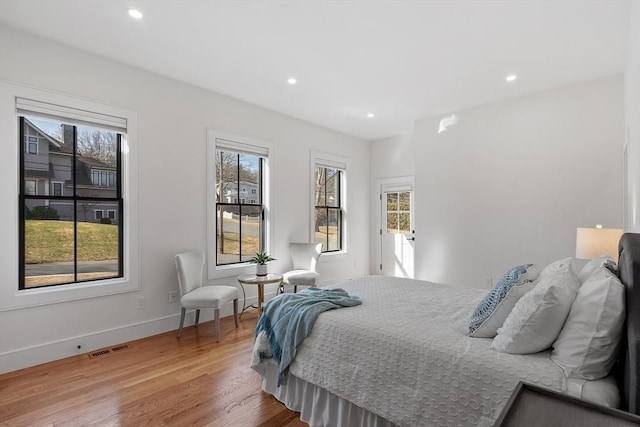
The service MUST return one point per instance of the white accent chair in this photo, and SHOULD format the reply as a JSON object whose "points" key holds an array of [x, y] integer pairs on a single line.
{"points": [[305, 257], [193, 295]]}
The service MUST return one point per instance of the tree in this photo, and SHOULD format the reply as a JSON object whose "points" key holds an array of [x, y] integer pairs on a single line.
{"points": [[98, 144]]}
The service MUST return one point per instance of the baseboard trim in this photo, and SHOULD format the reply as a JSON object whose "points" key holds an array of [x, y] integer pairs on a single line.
{"points": [[13, 360]]}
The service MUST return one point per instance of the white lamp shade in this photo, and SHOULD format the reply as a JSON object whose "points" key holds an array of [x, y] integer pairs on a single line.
{"points": [[593, 242]]}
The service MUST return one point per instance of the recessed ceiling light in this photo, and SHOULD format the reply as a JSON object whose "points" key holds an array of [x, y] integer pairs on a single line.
{"points": [[371, 115], [292, 81], [511, 77], [134, 13]]}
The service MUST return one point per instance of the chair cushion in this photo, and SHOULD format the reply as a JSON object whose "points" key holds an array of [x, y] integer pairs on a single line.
{"points": [[209, 297], [300, 277]]}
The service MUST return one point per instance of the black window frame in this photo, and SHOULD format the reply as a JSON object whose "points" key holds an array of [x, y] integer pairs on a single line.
{"points": [[238, 202], [53, 188], [75, 199], [327, 208]]}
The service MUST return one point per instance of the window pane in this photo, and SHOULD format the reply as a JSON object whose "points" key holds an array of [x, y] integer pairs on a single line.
{"points": [[405, 201], [48, 244], [392, 222], [228, 234], [405, 222], [321, 227], [392, 201], [333, 230], [96, 157], [226, 177], [320, 176], [250, 178], [333, 187], [251, 227], [98, 241]]}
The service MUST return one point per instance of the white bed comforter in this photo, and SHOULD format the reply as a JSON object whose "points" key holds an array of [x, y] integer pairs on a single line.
{"points": [[403, 355]]}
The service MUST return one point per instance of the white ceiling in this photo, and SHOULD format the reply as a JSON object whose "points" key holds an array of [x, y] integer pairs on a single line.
{"points": [[402, 60]]}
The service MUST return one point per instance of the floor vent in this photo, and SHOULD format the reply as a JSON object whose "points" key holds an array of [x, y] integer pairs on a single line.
{"points": [[105, 351], [99, 353]]}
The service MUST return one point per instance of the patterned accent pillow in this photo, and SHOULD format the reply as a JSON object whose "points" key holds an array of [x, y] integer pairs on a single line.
{"points": [[490, 314]]}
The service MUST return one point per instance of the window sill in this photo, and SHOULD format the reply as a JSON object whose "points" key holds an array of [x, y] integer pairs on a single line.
{"points": [[64, 293], [231, 271], [333, 256]]}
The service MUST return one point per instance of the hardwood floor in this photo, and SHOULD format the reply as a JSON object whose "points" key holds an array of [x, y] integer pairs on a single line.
{"points": [[158, 381]]}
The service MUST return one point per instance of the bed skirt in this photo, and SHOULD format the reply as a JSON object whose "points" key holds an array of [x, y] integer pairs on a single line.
{"points": [[317, 406]]}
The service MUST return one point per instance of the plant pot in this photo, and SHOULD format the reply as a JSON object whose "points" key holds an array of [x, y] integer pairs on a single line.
{"points": [[261, 270]]}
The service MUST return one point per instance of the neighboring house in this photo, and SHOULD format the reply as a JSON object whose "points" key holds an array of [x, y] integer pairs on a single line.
{"points": [[48, 172], [242, 192]]}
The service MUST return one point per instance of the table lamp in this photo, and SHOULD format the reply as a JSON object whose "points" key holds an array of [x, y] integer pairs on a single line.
{"points": [[593, 242]]}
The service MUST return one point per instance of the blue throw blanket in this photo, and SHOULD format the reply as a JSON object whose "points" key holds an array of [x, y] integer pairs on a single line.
{"points": [[287, 320]]}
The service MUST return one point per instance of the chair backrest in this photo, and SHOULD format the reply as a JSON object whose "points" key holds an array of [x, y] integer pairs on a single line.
{"points": [[305, 255], [189, 266]]}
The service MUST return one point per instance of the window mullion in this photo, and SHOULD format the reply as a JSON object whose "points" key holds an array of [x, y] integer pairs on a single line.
{"points": [[239, 209]]}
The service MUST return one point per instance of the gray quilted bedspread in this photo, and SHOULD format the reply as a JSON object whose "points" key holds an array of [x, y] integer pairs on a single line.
{"points": [[403, 354]]}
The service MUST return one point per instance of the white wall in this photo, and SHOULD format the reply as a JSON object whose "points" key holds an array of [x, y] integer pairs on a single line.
{"points": [[632, 122], [390, 158], [512, 181], [173, 119]]}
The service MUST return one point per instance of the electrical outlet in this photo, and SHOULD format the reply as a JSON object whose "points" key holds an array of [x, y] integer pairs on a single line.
{"points": [[140, 303], [173, 296], [488, 282]]}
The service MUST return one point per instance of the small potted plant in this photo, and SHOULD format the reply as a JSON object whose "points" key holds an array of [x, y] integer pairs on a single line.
{"points": [[261, 259]]}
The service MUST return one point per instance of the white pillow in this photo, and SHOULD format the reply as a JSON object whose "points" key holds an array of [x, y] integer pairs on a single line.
{"points": [[592, 266], [588, 344], [537, 318], [552, 268]]}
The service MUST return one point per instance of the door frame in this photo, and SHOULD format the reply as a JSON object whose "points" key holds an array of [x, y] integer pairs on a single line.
{"points": [[380, 183]]}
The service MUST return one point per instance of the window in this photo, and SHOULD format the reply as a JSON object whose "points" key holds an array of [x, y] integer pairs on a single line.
{"points": [[30, 187], [238, 225], [60, 241], [399, 212], [103, 178], [31, 144], [329, 185], [48, 166], [56, 188]]}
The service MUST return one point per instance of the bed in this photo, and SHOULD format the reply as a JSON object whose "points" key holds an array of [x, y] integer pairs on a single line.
{"points": [[399, 359]]}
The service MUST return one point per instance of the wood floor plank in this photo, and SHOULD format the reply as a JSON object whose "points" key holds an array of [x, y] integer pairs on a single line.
{"points": [[158, 381]]}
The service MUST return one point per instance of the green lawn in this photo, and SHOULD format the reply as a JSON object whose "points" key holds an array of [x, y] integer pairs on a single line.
{"points": [[52, 241]]}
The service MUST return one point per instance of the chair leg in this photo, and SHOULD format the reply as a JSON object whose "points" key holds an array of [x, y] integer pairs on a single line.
{"points": [[197, 317], [295, 289], [183, 311], [216, 313], [235, 311]]}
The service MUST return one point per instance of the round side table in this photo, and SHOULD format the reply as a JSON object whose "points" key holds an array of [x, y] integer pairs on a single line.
{"points": [[259, 281]]}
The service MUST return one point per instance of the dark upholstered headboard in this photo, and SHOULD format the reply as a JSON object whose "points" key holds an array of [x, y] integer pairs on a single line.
{"points": [[629, 270]]}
